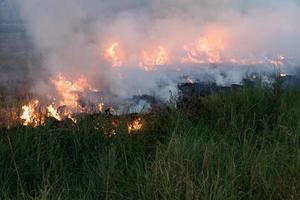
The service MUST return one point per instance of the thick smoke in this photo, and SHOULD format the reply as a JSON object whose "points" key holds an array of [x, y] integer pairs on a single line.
{"points": [[71, 35]]}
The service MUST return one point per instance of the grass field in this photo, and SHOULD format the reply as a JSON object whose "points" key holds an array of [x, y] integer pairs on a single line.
{"points": [[243, 144]]}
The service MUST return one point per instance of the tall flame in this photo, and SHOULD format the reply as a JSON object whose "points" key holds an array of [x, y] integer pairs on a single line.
{"points": [[29, 115]]}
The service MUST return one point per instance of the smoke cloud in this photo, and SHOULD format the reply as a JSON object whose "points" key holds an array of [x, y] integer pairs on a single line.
{"points": [[72, 34]]}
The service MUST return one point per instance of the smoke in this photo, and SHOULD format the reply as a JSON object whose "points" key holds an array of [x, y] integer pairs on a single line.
{"points": [[72, 34]]}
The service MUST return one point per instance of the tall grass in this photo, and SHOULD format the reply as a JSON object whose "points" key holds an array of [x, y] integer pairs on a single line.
{"points": [[242, 144]]}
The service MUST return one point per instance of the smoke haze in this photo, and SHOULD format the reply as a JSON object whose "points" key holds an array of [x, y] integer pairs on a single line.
{"points": [[71, 36]]}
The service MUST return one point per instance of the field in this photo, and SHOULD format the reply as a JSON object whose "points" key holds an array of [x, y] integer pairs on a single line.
{"points": [[242, 144]]}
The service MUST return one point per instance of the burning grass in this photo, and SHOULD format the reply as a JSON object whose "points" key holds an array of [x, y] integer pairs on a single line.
{"points": [[242, 144]]}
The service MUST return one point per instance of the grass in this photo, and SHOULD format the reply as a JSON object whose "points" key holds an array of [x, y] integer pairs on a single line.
{"points": [[244, 144]]}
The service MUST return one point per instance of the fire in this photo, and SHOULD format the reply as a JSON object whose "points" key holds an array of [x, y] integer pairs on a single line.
{"points": [[69, 91], [204, 50], [59, 113], [73, 119], [135, 125], [29, 115], [214, 46], [153, 58], [113, 54], [101, 107], [115, 123], [52, 112]]}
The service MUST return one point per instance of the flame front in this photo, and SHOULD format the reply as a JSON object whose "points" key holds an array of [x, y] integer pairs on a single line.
{"points": [[215, 47]]}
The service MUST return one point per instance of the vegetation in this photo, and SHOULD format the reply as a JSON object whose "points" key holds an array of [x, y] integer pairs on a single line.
{"points": [[243, 144]]}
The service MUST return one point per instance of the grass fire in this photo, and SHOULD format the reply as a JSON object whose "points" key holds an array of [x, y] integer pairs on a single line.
{"points": [[149, 99]]}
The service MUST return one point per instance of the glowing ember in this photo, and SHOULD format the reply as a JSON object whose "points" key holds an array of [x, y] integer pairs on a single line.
{"points": [[29, 115], [115, 123], [135, 125], [203, 50], [113, 55], [151, 59]]}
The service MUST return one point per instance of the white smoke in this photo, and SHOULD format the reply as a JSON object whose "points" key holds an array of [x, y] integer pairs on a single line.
{"points": [[70, 35]]}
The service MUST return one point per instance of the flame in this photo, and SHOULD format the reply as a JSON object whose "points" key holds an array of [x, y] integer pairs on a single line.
{"points": [[52, 112], [60, 114], [153, 58], [203, 50], [69, 91], [29, 115], [135, 125], [211, 47], [101, 107], [73, 119], [113, 54]]}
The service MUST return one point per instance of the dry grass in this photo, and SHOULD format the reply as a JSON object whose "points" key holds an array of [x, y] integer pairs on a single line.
{"points": [[239, 145]]}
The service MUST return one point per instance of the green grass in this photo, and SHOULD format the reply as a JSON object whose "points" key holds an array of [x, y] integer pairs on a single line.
{"points": [[242, 144]]}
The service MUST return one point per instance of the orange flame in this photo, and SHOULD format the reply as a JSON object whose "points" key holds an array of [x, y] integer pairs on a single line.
{"points": [[204, 50], [69, 91], [113, 54], [29, 115], [52, 112], [135, 125], [101, 107], [151, 59]]}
